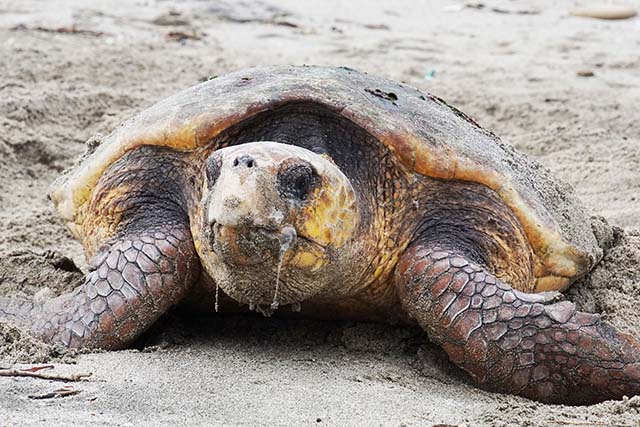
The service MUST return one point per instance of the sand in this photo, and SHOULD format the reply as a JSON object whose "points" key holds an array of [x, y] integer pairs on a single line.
{"points": [[563, 89]]}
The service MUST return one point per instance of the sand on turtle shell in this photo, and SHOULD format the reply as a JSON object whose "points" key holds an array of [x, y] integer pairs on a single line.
{"points": [[523, 79]]}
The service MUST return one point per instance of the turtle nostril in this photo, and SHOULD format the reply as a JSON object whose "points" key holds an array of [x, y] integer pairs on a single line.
{"points": [[246, 161]]}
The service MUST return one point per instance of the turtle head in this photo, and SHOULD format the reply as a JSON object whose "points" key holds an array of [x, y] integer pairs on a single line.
{"points": [[276, 222]]}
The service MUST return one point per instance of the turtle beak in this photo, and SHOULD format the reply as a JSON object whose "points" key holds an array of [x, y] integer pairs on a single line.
{"points": [[251, 246], [244, 213]]}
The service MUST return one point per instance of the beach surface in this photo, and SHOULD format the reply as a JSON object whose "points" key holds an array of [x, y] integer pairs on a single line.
{"points": [[563, 89]]}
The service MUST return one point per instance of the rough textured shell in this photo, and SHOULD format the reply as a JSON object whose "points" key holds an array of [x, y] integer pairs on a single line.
{"points": [[426, 134]]}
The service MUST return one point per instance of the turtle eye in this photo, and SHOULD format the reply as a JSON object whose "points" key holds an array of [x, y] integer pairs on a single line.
{"points": [[213, 170], [296, 181]]}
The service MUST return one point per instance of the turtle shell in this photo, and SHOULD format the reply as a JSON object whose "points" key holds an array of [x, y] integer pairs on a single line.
{"points": [[427, 136]]}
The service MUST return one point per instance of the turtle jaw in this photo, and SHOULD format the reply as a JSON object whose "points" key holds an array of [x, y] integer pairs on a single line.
{"points": [[241, 246], [262, 267], [256, 266], [272, 217]]}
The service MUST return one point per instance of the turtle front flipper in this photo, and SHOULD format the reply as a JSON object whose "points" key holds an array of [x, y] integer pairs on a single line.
{"points": [[135, 229], [508, 341], [133, 280]]}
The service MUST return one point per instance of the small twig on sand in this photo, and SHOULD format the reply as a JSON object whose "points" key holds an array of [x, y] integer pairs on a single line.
{"points": [[37, 368], [71, 29], [62, 392], [578, 423], [4, 86], [34, 373], [181, 36]]}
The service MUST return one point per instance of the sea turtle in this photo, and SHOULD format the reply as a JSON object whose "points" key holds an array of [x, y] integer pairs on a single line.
{"points": [[341, 195]]}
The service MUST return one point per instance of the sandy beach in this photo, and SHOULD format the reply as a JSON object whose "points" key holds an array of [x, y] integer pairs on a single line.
{"points": [[563, 89]]}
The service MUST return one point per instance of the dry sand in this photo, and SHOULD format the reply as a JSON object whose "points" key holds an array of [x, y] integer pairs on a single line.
{"points": [[518, 68]]}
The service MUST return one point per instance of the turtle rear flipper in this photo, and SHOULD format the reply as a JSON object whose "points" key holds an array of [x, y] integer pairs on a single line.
{"points": [[509, 341], [133, 280]]}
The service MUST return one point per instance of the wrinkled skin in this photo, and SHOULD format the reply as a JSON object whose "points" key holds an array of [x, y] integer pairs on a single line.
{"points": [[331, 223]]}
